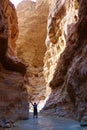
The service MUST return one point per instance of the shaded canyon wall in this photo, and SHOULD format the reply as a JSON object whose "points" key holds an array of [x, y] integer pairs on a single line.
{"points": [[65, 61], [13, 94]]}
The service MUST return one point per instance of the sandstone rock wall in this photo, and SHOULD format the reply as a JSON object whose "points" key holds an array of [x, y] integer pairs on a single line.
{"points": [[11, 15], [32, 31], [32, 19], [65, 59], [13, 94], [58, 35]]}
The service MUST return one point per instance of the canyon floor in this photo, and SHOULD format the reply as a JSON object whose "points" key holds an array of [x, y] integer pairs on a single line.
{"points": [[47, 123]]}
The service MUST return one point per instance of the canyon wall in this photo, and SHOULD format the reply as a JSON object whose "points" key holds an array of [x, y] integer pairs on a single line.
{"points": [[13, 94], [65, 60], [32, 19]]}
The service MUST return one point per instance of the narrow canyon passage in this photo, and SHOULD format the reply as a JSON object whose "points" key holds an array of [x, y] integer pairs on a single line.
{"points": [[31, 48], [43, 57]]}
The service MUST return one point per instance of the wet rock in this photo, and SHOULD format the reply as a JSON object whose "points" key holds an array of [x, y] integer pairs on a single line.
{"points": [[84, 118], [83, 124], [5, 124]]}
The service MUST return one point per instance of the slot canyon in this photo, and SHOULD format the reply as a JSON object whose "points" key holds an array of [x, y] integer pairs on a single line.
{"points": [[43, 58]]}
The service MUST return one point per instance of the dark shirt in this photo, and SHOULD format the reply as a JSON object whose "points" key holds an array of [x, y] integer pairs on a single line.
{"points": [[35, 108]]}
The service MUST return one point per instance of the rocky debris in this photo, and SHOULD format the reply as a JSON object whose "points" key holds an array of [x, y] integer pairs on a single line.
{"points": [[83, 124], [65, 59], [6, 124]]}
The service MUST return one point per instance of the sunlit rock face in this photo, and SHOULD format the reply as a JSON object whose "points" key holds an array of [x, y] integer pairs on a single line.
{"points": [[60, 28], [65, 59], [32, 19], [12, 26], [13, 95]]}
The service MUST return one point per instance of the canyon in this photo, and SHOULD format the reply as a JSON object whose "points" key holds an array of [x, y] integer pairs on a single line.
{"points": [[43, 57]]}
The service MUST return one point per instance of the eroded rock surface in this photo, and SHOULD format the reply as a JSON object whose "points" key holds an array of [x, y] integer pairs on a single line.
{"points": [[32, 18], [65, 59], [13, 94]]}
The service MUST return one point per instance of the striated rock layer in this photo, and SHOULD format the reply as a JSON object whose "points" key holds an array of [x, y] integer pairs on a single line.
{"points": [[65, 59], [13, 95], [32, 19]]}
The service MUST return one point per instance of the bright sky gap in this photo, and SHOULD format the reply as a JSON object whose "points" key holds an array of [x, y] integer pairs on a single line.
{"points": [[16, 2]]}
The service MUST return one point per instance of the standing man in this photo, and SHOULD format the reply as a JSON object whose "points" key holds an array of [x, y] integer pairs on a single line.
{"points": [[35, 111]]}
